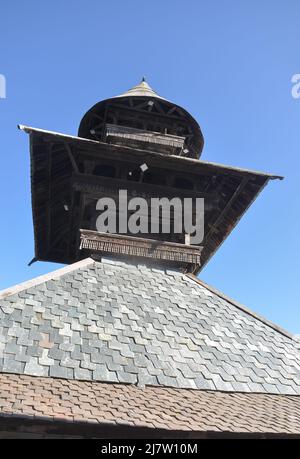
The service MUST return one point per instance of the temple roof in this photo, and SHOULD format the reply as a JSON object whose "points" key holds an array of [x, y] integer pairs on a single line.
{"points": [[112, 409], [121, 346], [112, 321], [228, 191], [143, 106]]}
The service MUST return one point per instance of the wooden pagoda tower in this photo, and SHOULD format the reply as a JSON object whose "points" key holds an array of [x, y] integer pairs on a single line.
{"points": [[142, 143]]}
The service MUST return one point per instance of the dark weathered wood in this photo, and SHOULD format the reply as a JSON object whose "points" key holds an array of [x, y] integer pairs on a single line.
{"points": [[140, 247], [67, 169], [48, 227], [98, 149], [132, 137], [70, 154], [92, 184], [132, 111], [239, 190]]}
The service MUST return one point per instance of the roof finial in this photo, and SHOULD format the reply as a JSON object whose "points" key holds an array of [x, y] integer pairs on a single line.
{"points": [[142, 89]]}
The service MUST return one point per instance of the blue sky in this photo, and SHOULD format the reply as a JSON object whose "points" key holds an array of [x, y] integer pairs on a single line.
{"points": [[229, 63]]}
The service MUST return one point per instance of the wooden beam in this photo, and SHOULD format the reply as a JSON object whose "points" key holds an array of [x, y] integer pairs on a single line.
{"points": [[71, 157], [49, 197], [138, 110], [152, 190]]}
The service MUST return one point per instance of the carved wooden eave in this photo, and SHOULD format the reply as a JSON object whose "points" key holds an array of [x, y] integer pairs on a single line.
{"points": [[185, 256], [137, 138], [61, 188]]}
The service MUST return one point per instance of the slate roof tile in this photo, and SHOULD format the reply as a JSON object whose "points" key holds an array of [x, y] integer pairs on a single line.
{"points": [[115, 321]]}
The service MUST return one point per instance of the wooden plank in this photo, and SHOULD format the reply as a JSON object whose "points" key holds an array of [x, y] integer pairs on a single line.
{"points": [[92, 182], [140, 247]]}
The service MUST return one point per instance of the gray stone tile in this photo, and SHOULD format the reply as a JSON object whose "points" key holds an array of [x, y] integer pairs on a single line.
{"points": [[12, 366], [137, 325], [32, 367], [56, 371], [80, 373]]}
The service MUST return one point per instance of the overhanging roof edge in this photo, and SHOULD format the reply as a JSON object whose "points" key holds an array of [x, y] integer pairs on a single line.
{"points": [[29, 129]]}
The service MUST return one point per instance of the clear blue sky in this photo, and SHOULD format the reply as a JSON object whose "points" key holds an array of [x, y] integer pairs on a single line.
{"points": [[229, 63]]}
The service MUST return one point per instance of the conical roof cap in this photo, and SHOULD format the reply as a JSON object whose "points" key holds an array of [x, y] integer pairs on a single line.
{"points": [[142, 89]]}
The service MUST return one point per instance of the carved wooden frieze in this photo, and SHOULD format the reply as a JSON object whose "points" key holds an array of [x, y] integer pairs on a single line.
{"points": [[140, 247]]}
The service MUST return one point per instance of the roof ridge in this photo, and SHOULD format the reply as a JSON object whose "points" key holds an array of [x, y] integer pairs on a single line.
{"points": [[45, 277], [242, 307]]}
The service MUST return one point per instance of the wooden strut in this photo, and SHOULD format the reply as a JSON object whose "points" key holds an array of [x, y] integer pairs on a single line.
{"points": [[239, 189]]}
